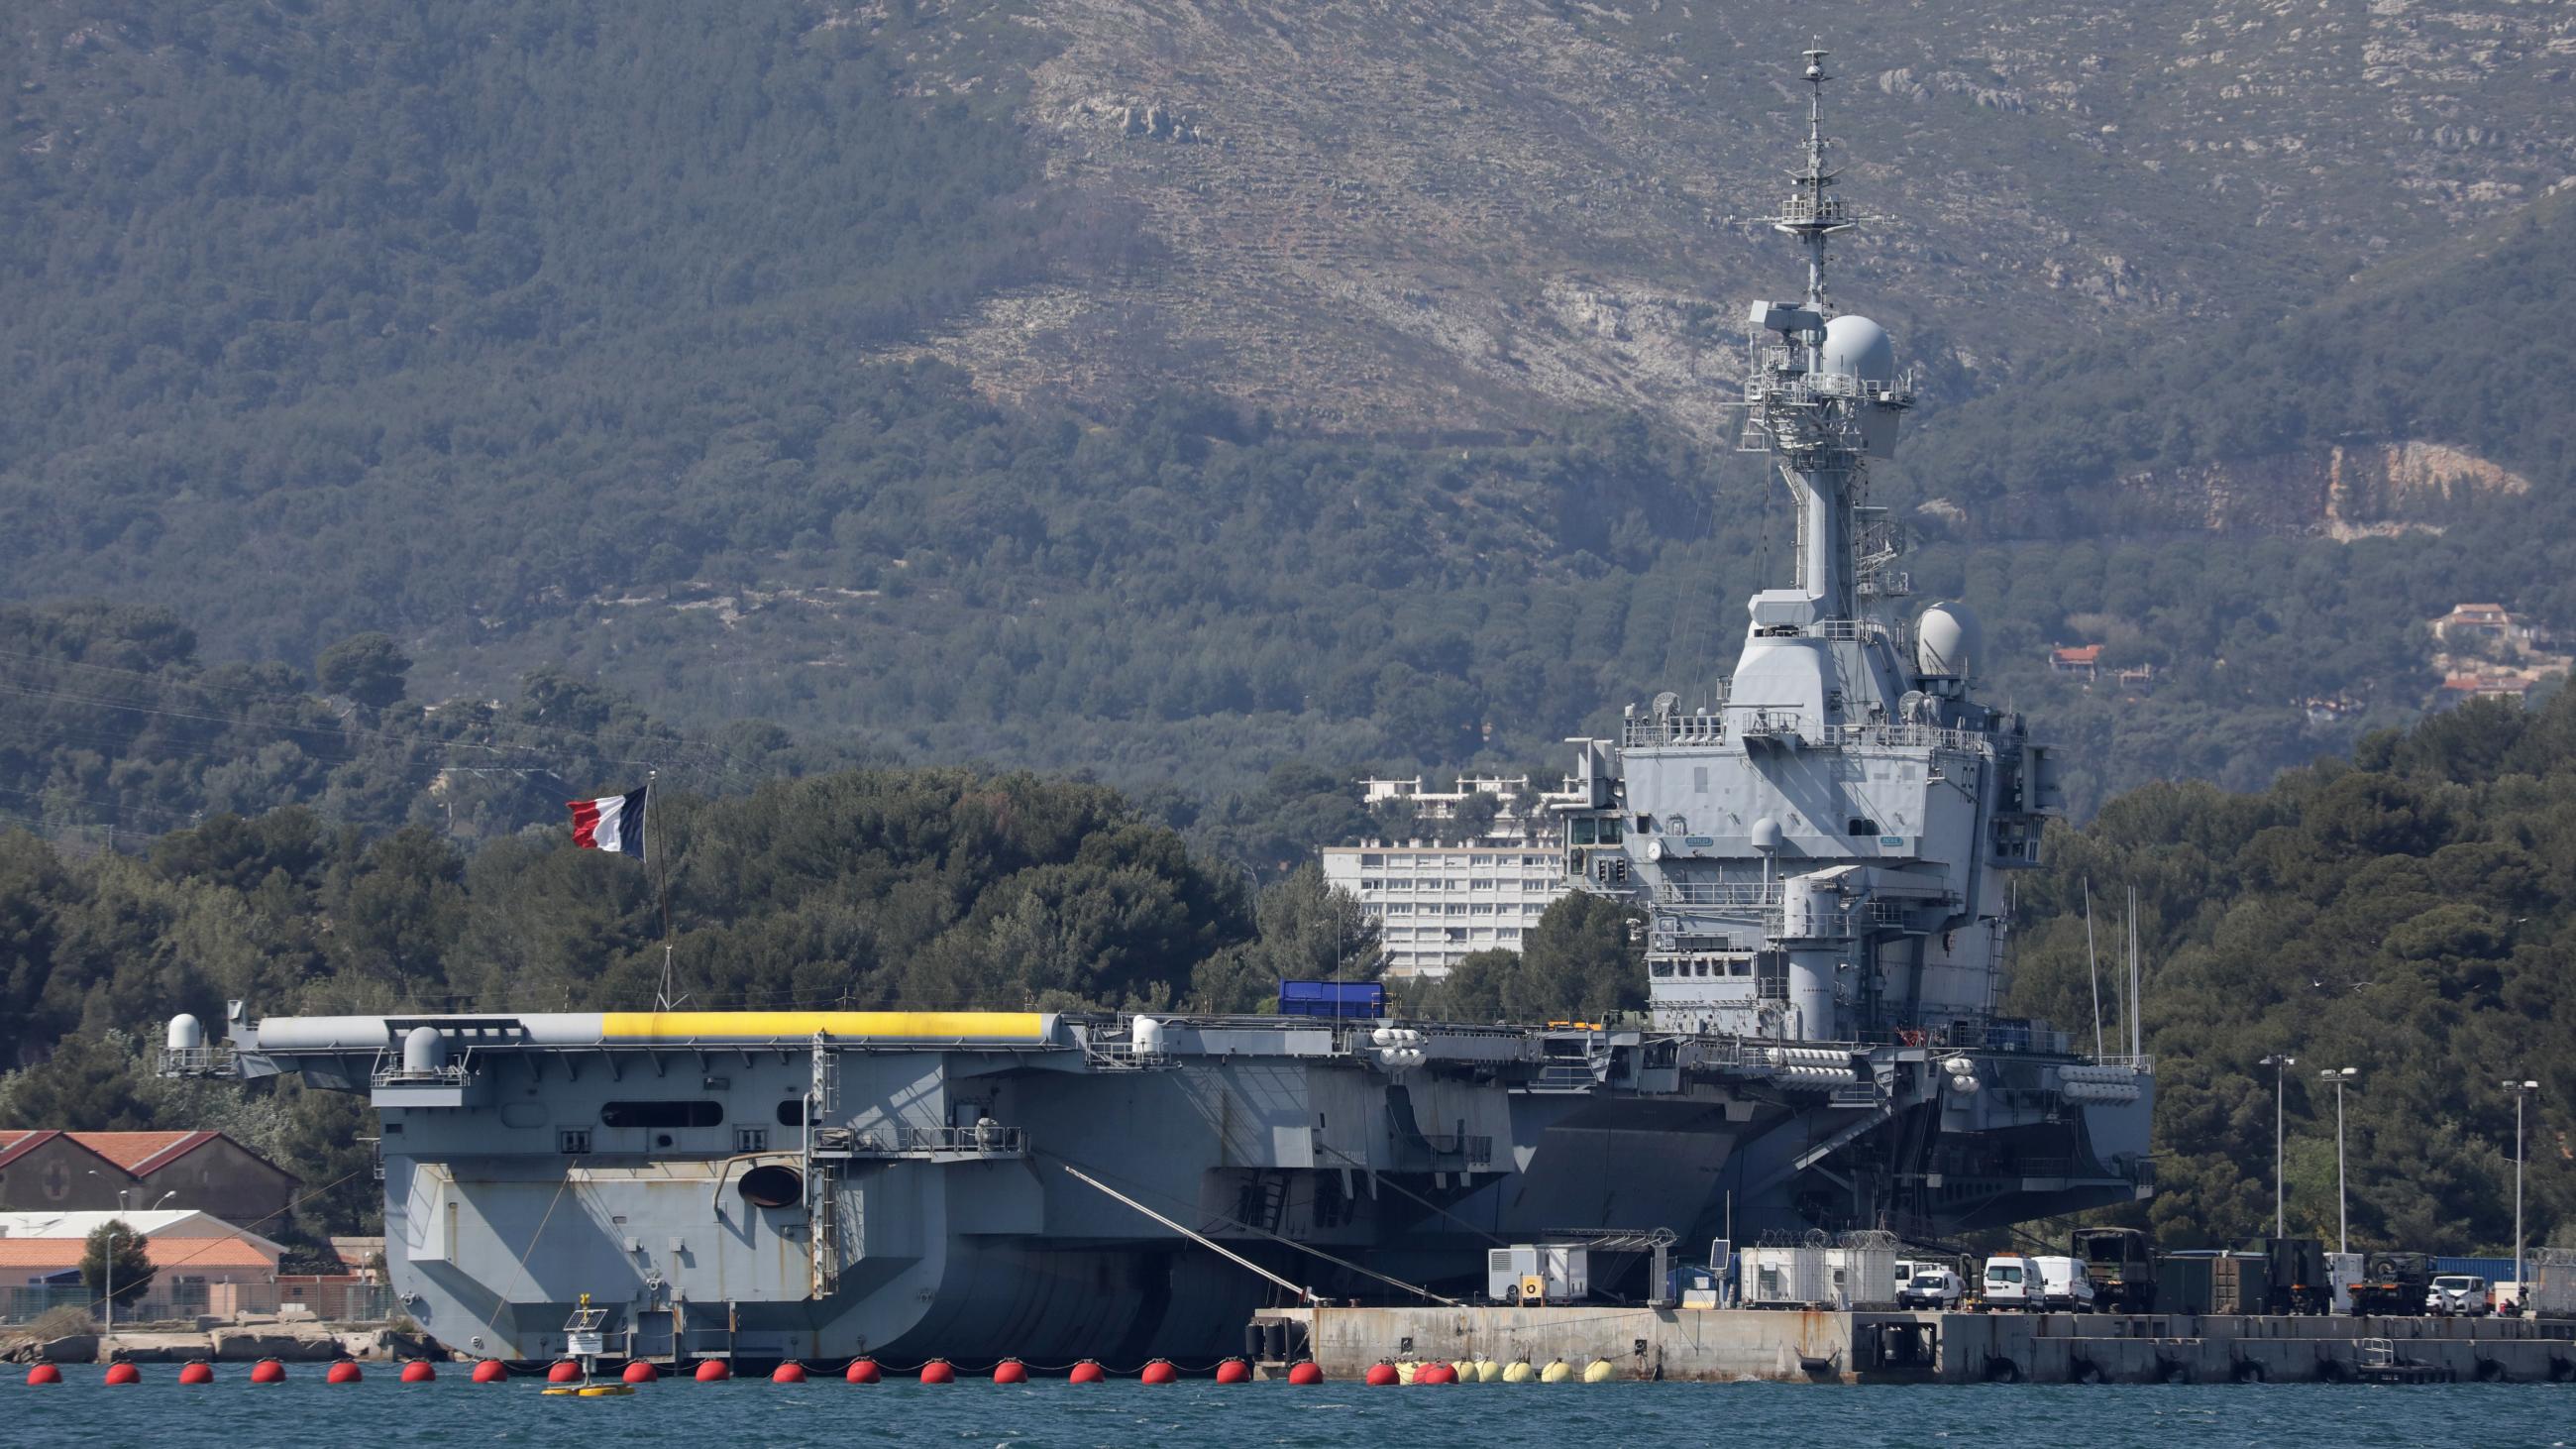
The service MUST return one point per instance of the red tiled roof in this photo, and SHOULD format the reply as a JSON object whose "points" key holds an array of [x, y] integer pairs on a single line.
{"points": [[142, 1152], [2088, 654], [14, 1145], [55, 1254]]}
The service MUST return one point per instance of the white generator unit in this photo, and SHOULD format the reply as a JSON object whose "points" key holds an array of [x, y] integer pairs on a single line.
{"points": [[1539, 1273], [1859, 1271]]}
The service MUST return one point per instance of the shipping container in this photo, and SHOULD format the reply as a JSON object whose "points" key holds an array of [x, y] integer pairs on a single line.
{"points": [[2212, 1280], [1365, 1000]]}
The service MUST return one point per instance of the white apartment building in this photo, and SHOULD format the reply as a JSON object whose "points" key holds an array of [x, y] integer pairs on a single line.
{"points": [[1436, 903]]}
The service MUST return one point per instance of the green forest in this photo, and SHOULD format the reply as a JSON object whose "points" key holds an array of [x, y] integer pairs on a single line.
{"points": [[2408, 912]]}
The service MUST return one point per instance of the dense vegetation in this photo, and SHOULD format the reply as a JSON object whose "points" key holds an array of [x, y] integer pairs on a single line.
{"points": [[2409, 912]]}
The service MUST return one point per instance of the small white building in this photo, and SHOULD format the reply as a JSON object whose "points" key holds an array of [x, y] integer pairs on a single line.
{"points": [[1435, 903]]}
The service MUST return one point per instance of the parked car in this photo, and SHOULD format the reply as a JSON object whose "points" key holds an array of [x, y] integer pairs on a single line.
{"points": [[2462, 1294], [1933, 1286]]}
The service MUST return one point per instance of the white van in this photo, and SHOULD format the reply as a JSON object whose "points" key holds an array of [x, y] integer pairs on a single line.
{"points": [[2014, 1280], [2064, 1286], [2010, 1282]]}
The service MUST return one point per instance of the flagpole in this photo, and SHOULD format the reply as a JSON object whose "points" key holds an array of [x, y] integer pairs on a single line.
{"points": [[662, 887]]}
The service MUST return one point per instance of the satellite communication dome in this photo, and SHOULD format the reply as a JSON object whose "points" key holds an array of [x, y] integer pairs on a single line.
{"points": [[1857, 347], [1945, 641], [1766, 835]]}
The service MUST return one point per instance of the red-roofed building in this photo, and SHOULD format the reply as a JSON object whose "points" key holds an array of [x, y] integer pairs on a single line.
{"points": [[43, 1171], [199, 1262], [2084, 659], [53, 1172]]}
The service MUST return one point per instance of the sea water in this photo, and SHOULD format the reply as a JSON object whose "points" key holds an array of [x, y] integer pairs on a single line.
{"points": [[161, 1413]]}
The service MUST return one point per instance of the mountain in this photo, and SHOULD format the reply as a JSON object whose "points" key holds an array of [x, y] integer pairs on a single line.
{"points": [[1180, 391]]}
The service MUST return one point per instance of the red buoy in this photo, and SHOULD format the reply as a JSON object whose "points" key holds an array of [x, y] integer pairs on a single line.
{"points": [[123, 1373], [268, 1371], [565, 1371], [1160, 1371], [640, 1372], [1234, 1371], [1382, 1374], [1305, 1373], [713, 1371], [1435, 1372], [1087, 1372], [491, 1371], [790, 1372], [937, 1371], [1010, 1371], [44, 1373], [418, 1371], [863, 1371], [343, 1372], [196, 1373]]}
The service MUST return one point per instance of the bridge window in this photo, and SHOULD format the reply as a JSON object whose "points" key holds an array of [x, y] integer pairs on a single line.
{"points": [[1861, 825], [791, 1113], [661, 1114]]}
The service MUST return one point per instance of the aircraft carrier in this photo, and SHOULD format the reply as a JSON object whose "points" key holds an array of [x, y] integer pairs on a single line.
{"points": [[1815, 856]]}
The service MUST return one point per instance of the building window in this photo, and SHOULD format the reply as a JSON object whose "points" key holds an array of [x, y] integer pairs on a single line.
{"points": [[1372, 860], [572, 1140]]}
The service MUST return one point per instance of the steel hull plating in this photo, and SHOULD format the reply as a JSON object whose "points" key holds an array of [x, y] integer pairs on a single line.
{"points": [[937, 1203]]}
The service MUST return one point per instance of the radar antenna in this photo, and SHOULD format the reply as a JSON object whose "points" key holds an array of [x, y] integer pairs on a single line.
{"points": [[1814, 213]]}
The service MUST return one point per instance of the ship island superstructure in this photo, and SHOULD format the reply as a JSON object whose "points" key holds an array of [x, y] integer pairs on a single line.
{"points": [[1813, 857]]}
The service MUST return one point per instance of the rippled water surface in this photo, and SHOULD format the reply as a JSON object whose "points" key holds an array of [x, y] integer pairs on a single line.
{"points": [[1127, 1415]]}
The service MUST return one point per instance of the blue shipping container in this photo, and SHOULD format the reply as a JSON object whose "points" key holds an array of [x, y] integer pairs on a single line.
{"points": [[2494, 1270], [1363, 999]]}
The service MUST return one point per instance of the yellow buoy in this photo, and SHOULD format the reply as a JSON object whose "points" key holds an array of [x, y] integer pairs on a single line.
{"points": [[1405, 1371], [1598, 1371], [1518, 1373], [602, 1391], [1488, 1371], [1556, 1372], [1465, 1368]]}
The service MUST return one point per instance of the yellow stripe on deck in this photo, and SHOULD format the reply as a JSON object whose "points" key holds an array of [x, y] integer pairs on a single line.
{"points": [[1028, 1026]]}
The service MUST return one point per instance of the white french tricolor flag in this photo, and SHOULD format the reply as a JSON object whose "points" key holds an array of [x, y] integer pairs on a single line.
{"points": [[613, 823]]}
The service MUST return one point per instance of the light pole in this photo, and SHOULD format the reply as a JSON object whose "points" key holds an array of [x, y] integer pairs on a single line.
{"points": [[2343, 1218], [2520, 1091], [2280, 1066], [107, 1258]]}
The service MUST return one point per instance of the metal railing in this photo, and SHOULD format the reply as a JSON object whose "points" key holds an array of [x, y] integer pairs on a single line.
{"points": [[201, 1061], [1678, 729], [451, 1073], [993, 1141], [1717, 893]]}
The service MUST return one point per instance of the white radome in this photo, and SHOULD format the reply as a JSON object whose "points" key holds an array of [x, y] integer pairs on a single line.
{"points": [[1945, 641], [1857, 347]]}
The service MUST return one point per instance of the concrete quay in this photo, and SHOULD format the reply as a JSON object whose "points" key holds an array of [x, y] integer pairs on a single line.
{"points": [[1863, 1346]]}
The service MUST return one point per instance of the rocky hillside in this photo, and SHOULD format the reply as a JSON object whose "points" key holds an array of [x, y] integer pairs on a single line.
{"points": [[1440, 216]]}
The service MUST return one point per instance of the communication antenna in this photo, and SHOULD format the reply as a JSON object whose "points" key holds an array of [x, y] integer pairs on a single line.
{"points": [[2092, 967]]}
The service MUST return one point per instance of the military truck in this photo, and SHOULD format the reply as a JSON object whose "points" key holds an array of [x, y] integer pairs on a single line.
{"points": [[2393, 1283], [2122, 1264], [2298, 1279]]}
